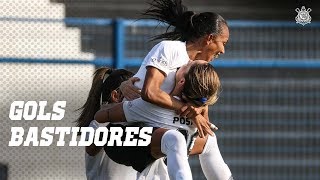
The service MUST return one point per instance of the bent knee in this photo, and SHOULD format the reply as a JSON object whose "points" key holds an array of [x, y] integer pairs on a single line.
{"points": [[173, 140]]}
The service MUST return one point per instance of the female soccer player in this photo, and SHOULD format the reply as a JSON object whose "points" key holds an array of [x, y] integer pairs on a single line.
{"points": [[199, 86], [104, 90], [196, 36]]}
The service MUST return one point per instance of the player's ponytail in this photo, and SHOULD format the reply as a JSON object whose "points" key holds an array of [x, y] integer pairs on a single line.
{"points": [[188, 26], [92, 105], [171, 12], [105, 80]]}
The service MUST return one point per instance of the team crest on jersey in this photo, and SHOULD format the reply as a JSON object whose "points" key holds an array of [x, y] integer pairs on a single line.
{"points": [[303, 16]]}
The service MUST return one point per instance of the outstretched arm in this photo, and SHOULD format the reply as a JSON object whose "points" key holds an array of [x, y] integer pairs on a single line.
{"points": [[110, 113]]}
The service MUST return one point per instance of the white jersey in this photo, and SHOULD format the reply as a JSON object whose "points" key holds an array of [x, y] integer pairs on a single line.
{"points": [[166, 56], [152, 115]]}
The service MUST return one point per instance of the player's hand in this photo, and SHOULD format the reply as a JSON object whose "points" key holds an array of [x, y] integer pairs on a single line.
{"points": [[204, 126], [190, 111], [128, 90]]}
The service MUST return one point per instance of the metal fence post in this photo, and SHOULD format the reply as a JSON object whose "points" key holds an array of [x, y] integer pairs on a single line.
{"points": [[118, 43]]}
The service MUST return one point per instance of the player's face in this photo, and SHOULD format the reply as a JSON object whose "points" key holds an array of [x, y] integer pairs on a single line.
{"points": [[215, 45]]}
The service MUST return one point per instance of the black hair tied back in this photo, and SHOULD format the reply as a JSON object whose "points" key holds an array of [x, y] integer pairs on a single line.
{"points": [[188, 26], [167, 11], [173, 13], [109, 71]]}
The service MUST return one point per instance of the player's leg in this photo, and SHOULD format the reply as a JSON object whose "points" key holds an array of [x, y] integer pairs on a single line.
{"points": [[212, 163], [172, 143]]}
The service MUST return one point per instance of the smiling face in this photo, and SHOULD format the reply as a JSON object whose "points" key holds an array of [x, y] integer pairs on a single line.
{"points": [[214, 45]]}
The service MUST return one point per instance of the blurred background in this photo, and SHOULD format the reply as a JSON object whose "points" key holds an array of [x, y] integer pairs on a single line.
{"points": [[268, 113]]}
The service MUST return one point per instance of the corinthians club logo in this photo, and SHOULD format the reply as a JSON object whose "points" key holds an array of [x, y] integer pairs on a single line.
{"points": [[303, 16]]}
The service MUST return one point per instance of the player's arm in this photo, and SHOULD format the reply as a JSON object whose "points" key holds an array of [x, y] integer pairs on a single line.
{"points": [[93, 150], [110, 113], [129, 91], [151, 91], [205, 112]]}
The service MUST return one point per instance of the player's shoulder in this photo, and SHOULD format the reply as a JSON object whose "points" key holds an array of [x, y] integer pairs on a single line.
{"points": [[169, 49], [171, 44]]}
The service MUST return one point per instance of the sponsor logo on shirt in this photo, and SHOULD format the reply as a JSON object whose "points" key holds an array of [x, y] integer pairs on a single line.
{"points": [[161, 61]]}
